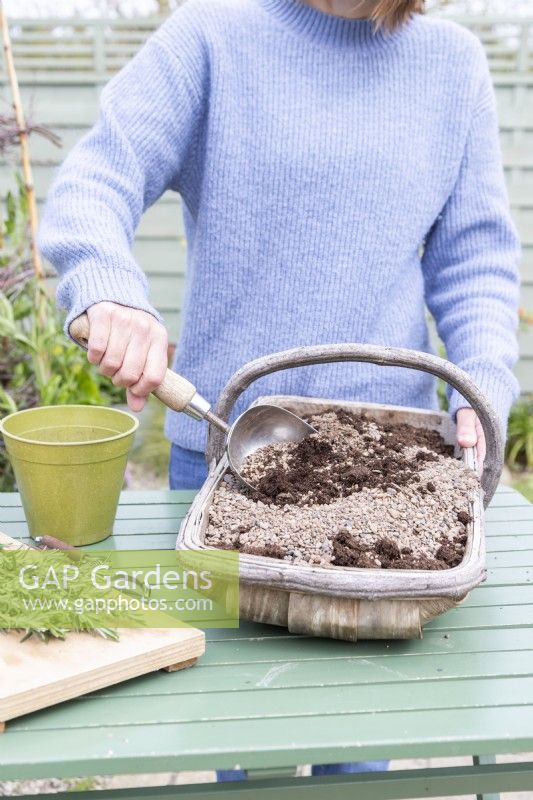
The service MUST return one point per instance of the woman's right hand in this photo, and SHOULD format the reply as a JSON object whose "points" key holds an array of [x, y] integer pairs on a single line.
{"points": [[130, 346]]}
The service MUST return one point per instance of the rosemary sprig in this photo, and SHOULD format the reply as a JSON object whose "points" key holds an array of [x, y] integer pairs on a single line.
{"points": [[53, 623]]}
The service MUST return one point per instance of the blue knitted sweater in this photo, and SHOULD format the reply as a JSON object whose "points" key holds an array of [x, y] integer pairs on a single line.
{"points": [[316, 160]]}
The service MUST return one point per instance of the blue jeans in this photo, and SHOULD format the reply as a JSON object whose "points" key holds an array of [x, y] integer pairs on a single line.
{"points": [[188, 470]]}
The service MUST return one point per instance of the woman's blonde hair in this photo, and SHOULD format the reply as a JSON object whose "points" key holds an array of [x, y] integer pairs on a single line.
{"points": [[389, 14]]}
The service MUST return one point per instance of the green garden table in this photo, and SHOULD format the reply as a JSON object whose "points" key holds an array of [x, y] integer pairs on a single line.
{"points": [[267, 700]]}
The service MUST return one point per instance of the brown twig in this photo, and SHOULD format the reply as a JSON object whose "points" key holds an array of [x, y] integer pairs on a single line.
{"points": [[10, 133], [23, 141], [52, 543], [9, 281]]}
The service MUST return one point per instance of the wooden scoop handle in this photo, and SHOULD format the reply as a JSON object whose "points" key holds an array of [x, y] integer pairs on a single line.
{"points": [[175, 392]]}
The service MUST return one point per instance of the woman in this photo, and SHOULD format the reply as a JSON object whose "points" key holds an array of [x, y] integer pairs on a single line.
{"points": [[339, 167]]}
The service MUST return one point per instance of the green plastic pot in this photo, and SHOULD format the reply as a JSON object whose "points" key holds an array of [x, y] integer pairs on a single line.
{"points": [[69, 464]]}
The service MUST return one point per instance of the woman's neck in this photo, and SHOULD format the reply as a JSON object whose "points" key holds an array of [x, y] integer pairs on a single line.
{"points": [[352, 9]]}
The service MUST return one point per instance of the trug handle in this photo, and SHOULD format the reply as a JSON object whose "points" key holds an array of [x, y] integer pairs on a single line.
{"points": [[375, 354]]}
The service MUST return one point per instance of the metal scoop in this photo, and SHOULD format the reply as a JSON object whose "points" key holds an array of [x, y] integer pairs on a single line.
{"points": [[257, 427]]}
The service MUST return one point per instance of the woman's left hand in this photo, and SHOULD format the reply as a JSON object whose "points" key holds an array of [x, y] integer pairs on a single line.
{"points": [[470, 434]]}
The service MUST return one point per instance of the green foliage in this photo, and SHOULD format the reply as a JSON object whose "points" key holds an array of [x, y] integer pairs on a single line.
{"points": [[38, 364], [524, 485], [441, 395], [520, 436], [13, 230], [47, 619], [442, 385], [83, 785], [151, 448]]}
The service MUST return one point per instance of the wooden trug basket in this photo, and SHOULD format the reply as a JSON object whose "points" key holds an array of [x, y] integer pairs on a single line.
{"points": [[345, 602]]}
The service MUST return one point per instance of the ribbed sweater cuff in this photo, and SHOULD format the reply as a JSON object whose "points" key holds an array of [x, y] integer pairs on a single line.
{"points": [[500, 393], [90, 284]]}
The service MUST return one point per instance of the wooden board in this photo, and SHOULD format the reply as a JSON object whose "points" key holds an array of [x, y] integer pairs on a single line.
{"points": [[38, 674]]}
